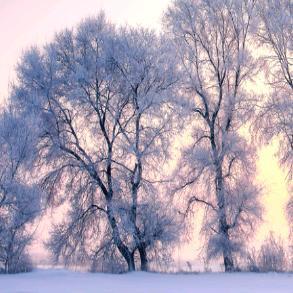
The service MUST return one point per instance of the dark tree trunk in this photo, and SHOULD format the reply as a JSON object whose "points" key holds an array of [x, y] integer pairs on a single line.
{"points": [[6, 267], [143, 258], [140, 245], [131, 263], [224, 229], [228, 262], [221, 203], [123, 249], [227, 253]]}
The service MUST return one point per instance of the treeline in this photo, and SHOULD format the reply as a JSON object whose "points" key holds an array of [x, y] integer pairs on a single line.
{"points": [[94, 118]]}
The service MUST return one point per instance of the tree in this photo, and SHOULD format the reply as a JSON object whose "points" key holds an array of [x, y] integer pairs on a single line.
{"points": [[217, 169], [99, 96], [289, 210], [275, 116], [271, 257], [147, 77], [19, 198]]}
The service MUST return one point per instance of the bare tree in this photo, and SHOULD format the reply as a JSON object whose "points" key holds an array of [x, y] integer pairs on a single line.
{"points": [[147, 78], [217, 169], [275, 116], [97, 94], [19, 198], [290, 212], [271, 257]]}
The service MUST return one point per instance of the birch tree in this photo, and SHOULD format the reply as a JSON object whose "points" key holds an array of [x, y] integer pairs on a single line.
{"points": [[216, 170]]}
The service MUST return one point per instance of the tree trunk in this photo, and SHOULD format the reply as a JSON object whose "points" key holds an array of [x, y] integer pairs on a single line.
{"points": [[131, 263], [6, 267], [123, 249], [137, 173], [223, 225], [224, 230], [143, 258], [228, 261]]}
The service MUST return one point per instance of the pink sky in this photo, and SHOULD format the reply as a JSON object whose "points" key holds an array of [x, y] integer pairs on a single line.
{"points": [[27, 22]]}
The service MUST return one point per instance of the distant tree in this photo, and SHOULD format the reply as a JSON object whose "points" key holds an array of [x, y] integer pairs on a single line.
{"points": [[19, 197], [100, 98], [289, 210], [217, 169], [271, 257]]}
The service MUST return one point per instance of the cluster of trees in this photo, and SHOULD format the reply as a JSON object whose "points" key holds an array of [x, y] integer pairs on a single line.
{"points": [[95, 114]]}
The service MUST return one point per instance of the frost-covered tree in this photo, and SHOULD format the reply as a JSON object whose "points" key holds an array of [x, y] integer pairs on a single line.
{"points": [[217, 169], [276, 114], [275, 118], [99, 97], [271, 257], [146, 76], [19, 197], [289, 210]]}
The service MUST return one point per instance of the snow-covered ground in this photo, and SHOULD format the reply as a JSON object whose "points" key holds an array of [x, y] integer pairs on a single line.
{"points": [[55, 281]]}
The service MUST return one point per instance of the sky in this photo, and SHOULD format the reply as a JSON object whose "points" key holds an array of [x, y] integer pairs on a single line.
{"points": [[24, 23]]}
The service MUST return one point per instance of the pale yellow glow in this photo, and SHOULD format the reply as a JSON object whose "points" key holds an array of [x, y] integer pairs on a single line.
{"points": [[275, 194]]}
